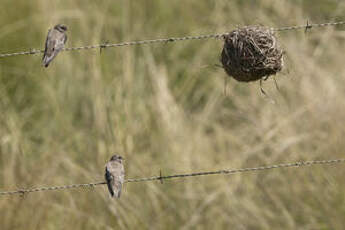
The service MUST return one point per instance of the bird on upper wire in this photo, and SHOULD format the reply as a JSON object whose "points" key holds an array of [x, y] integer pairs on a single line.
{"points": [[55, 42], [115, 175]]}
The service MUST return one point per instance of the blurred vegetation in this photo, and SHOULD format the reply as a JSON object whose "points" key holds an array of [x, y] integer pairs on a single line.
{"points": [[163, 107]]}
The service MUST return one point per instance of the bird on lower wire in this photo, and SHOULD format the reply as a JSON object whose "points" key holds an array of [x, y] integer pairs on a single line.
{"points": [[115, 175], [55, 42]]}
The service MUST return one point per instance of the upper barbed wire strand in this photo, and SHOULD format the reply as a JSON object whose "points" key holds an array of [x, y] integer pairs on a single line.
{"points": [[167, 40], [161, 178], [309, 26]]}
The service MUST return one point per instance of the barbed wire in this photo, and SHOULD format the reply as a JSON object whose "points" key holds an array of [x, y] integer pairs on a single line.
{"points": [[168, 40], [309, 26], [162, 178]]}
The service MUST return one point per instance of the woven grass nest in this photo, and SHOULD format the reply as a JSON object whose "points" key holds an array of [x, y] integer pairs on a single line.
{"points": [[251, 53]]}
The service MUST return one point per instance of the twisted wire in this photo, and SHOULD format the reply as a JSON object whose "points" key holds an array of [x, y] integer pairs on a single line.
{"points": [[161, 178], [168, 40]]}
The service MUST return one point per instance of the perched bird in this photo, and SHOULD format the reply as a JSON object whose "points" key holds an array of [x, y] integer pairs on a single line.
{"points": [[115, 175], [55, 42]]}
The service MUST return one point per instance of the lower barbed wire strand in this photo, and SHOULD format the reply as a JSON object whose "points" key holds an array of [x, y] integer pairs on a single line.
{"points": [[219, 172], [168, 40], [234, 171], [73, 186], [146, 42]]}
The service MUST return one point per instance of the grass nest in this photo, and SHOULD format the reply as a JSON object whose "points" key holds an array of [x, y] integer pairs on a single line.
{"points": [[251, 53]]}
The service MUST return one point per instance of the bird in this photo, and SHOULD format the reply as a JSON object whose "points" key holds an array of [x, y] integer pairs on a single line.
{"points": [[115, 175], [55, 42]]}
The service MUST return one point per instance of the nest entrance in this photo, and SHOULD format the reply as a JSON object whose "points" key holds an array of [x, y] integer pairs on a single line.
{"points": [[251, 53]]}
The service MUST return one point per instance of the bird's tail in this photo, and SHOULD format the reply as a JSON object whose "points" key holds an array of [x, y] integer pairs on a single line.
{"points": [[46, 60]]}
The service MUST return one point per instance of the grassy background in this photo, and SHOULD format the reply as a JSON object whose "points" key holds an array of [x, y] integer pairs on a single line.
{"points": [[163, 107]]}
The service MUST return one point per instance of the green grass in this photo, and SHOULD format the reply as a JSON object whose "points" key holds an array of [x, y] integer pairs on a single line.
{"points": [[162, 107]]}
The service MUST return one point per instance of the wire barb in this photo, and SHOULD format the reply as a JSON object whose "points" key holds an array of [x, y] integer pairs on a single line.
{"points": [[169, 40], [103, 46], [161, 178], [308, 27]]}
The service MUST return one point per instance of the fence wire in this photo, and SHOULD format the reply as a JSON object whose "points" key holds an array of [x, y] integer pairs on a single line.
{"points": [[161, 178], [169, 40]]}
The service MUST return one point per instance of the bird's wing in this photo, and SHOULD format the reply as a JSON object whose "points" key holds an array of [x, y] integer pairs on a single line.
{"points": [[50, 44], [109, 179], [65, 39]]}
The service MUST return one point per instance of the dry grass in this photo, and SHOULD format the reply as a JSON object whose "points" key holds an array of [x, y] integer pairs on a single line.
{"points": [[162, 109]]}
